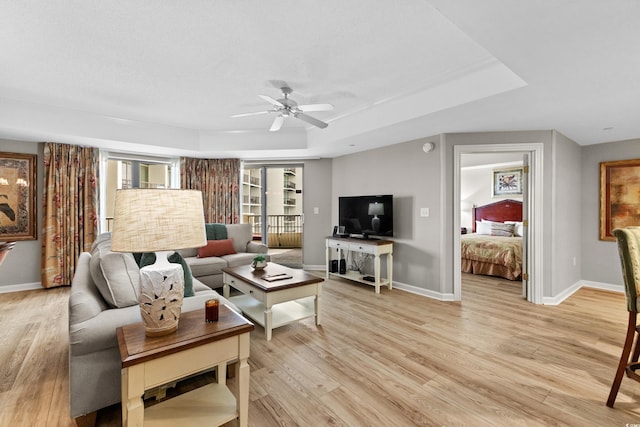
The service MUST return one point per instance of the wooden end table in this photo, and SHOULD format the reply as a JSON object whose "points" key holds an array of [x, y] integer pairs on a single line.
{"points": [[196, 346], [276, 303]]}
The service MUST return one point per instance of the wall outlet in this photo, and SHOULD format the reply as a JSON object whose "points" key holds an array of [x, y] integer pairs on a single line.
{"points": [[424, 212], [316, 210]]}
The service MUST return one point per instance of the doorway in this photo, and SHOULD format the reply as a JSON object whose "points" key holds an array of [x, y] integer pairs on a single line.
{"points": [[272, 204], [532, 209]]}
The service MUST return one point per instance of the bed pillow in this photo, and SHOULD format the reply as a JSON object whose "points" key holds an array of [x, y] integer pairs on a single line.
{"points": [[500, 229], [217, 248], [490, 222], [518, 228], [483, 228]]}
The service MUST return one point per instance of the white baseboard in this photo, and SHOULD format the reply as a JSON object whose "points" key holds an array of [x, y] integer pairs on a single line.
{"points": [[603, 286], [558, 299], [22, 287], [423, 292], [404, 287]]}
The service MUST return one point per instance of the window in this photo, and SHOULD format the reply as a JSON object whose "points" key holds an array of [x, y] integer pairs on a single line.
{"points": [[122, 171]]}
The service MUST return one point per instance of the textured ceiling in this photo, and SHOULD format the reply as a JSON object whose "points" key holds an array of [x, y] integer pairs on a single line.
{"points": [[167, 76]]}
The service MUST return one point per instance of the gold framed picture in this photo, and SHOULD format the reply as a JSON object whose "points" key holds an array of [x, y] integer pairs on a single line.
{"points": [[507, 182], [17, 197], [619, 201]]}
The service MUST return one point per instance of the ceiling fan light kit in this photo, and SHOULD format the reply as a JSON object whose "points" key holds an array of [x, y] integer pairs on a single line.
{"points": [[286, 107]]}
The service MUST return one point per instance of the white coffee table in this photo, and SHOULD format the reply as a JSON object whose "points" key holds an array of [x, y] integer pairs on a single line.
{"points": [[276, 303]]}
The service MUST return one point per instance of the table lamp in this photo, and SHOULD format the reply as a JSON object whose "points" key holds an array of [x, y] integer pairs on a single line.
{"points": [[376, 209], [160, 221]]}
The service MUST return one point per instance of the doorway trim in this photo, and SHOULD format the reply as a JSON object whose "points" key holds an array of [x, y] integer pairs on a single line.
{"points": [[535, 212]]}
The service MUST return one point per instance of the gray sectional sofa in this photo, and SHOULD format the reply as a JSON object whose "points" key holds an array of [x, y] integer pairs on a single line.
{"points": [[208, 270], [104, 297]]}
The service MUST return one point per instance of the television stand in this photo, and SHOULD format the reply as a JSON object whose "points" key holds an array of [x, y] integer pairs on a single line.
{"points": [[368, 246], [364, 237]]}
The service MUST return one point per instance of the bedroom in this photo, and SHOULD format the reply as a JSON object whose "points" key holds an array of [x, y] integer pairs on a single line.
{"points": [[491, 195]]}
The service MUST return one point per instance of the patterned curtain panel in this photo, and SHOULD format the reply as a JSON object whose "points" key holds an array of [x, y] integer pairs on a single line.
{"points": [[70, 222], [219, 180]]}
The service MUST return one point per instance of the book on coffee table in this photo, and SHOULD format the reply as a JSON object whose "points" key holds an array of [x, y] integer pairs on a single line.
{"points": [[276, 276]]}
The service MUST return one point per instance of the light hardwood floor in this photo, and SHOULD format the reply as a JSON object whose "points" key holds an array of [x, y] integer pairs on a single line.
{"points": [[394, 359]]}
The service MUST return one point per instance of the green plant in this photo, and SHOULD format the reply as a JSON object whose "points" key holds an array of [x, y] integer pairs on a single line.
{"points": [[259, 258]]}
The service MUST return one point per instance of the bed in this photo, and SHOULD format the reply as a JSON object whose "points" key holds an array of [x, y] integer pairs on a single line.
{"points": [[495, 246]]}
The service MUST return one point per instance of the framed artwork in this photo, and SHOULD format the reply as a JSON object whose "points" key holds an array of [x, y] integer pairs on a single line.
{"points": [[507, 182], [619, 201], [17, 197]]}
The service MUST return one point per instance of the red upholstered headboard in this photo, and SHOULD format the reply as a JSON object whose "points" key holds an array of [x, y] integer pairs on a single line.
{"points": [[504, 210]]}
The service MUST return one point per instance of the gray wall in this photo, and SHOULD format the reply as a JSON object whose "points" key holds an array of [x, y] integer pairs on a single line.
{"points": [[423, 254], [600, 262], [413, 177], [423, 251], [22, 264], [544, 137], [566, 227], [317, 194]]}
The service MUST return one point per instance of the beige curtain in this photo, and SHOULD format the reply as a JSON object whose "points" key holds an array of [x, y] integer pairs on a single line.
{"points": [[219, 180], [70, 199]]}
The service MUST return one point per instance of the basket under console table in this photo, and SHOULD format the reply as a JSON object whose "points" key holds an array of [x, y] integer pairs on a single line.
{"points": [[367, 246]]}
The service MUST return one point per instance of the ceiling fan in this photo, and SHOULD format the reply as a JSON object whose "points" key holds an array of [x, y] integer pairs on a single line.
{"points": [[287, 107]]}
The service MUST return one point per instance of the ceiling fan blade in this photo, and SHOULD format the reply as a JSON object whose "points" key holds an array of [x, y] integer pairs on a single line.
{"points": [[277, 124], [252, 114], [270, 100], [316, 107], [311, 120]]}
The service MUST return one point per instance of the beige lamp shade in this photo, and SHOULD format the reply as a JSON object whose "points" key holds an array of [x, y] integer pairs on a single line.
{"points": [[151, 220], [376, 208]]}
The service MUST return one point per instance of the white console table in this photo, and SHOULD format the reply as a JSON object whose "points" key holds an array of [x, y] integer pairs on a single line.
{"points": [[373, 247]]}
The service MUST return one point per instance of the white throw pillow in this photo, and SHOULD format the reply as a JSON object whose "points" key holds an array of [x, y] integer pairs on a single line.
{"points": [[115, 274], [483, 227], [519, 229]]}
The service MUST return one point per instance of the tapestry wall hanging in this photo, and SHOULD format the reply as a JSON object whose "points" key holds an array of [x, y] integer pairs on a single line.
{"points": [[17, 197], [619, 196]]}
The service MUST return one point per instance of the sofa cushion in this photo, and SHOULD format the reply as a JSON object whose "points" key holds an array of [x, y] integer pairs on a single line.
{"points": [[99, 333], [149, 258], [241, 235], [216, 248], [206, 266], [115, 274], [216, 231], [85, 300]]}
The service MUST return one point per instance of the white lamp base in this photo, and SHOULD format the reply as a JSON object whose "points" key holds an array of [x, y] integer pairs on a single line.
{"points": [[161, 295], [375, 223]]}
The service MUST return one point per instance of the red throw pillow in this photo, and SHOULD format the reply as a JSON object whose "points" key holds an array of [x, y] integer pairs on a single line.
{"points": [[216, 248]]}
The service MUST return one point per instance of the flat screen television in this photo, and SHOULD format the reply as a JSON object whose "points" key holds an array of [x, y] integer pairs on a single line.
{"points": [[366, 216]]}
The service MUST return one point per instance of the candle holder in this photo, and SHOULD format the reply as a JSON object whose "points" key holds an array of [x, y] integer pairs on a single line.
{"points": [[211, 310]]}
